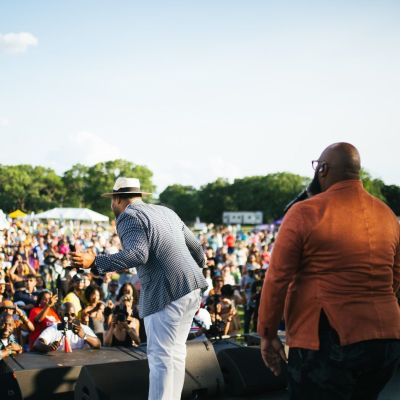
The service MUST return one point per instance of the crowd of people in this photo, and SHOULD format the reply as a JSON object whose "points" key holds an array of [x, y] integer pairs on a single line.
{"points": [[43, 299]]}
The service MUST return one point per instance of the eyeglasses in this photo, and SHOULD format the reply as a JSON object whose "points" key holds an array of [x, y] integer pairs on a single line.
{"points": [[316, 163], [70, 314]]}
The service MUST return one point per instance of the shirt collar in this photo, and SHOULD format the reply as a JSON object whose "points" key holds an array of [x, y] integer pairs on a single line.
{"points": [[349, 183]]}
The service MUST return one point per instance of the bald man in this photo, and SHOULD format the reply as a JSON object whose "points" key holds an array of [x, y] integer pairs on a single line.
{"points": [[335, 270]]}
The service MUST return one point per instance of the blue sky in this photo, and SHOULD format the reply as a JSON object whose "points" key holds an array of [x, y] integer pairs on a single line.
{"points": [[198, 90]]}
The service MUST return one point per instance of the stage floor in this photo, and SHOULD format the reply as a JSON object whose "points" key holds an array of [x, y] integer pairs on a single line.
{"points": [[69, 369]]}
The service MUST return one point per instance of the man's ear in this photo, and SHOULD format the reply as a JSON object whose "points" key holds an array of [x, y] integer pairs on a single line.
{"points": [[323, 169]]}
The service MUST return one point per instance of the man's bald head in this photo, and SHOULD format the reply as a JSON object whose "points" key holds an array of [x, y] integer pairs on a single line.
{"points": [[338, 162], [345, 158]]}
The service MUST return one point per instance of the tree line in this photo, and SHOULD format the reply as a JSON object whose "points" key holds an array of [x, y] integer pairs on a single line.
{"points": [[269, 194], [36, 188]]}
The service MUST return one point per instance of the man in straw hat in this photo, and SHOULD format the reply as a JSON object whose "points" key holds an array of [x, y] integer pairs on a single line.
{"points": [[169, 261]]}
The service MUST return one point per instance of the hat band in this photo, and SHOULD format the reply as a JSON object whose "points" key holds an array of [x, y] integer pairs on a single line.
{"points": [[127, 189]]}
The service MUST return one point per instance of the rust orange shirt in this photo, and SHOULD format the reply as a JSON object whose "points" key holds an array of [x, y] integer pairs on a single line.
{"points": [[338, 251]]}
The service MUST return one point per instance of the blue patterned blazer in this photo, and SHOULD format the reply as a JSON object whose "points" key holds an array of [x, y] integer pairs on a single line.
{"points": [[168, 258]]}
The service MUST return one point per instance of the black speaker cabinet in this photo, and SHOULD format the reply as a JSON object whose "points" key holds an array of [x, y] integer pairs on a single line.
{"points": [[33, 376], [245, 373], [203, 375], [130, 380]]}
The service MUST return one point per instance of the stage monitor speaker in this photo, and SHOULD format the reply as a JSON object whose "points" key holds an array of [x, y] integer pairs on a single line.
{"points": [[128, 380], [203, 378], [245, 373], [52, 376], [123, 380]]}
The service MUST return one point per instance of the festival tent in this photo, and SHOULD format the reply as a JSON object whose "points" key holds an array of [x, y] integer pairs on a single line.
{"points": [[4, 224], [17, 214], [74, 214]]}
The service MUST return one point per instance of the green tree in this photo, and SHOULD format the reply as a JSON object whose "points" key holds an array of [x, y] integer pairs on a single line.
{"points": [[371, 185], [215, 198], [75, 182], [47, 190], [392, 196], [279, 189], [15, 183], [29, 188], [184, 200], [269, 193]]}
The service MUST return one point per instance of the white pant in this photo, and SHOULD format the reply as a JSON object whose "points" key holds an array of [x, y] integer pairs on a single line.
{"points": [[167, 331]]}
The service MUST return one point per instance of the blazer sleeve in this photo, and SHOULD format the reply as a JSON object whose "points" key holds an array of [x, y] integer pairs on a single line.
{"points": [[135, 247], [194, 247], [285, 261]]}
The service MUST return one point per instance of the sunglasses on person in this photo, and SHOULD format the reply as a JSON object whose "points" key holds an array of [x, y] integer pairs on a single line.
{"points": [[70, 315]]}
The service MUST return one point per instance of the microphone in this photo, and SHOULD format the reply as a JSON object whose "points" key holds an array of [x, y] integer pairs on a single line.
{"points": [[300, 197]]}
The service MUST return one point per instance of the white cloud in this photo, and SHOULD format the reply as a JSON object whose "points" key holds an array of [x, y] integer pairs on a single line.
{"points": [[17, 42], [4, 121], [94, 148], [82, 147]]}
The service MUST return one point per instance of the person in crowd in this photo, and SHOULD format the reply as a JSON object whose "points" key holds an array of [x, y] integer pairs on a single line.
{"points": [[168, 259], [227, 312], [124, 327], [79, 335], [230, 241], [21, 322], [43, 315], [335, 269], [112, 288], [252, 263], [93, 314], [9, 347], [4, 293], [76, 293], [227, 276], [210, 259], [86, 279], [128, 289], [265, 256], [221, 256], [218, 282], [256, 289], [20, 269], [29, 294], [247, 283], [242, 253], [39, 253]]}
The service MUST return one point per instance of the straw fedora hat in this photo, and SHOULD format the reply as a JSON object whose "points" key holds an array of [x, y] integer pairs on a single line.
{"points": [[125, 186]]}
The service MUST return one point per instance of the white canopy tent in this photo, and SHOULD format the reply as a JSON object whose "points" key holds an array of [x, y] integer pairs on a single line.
{"points": [[4, 224], [73, 214]]}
